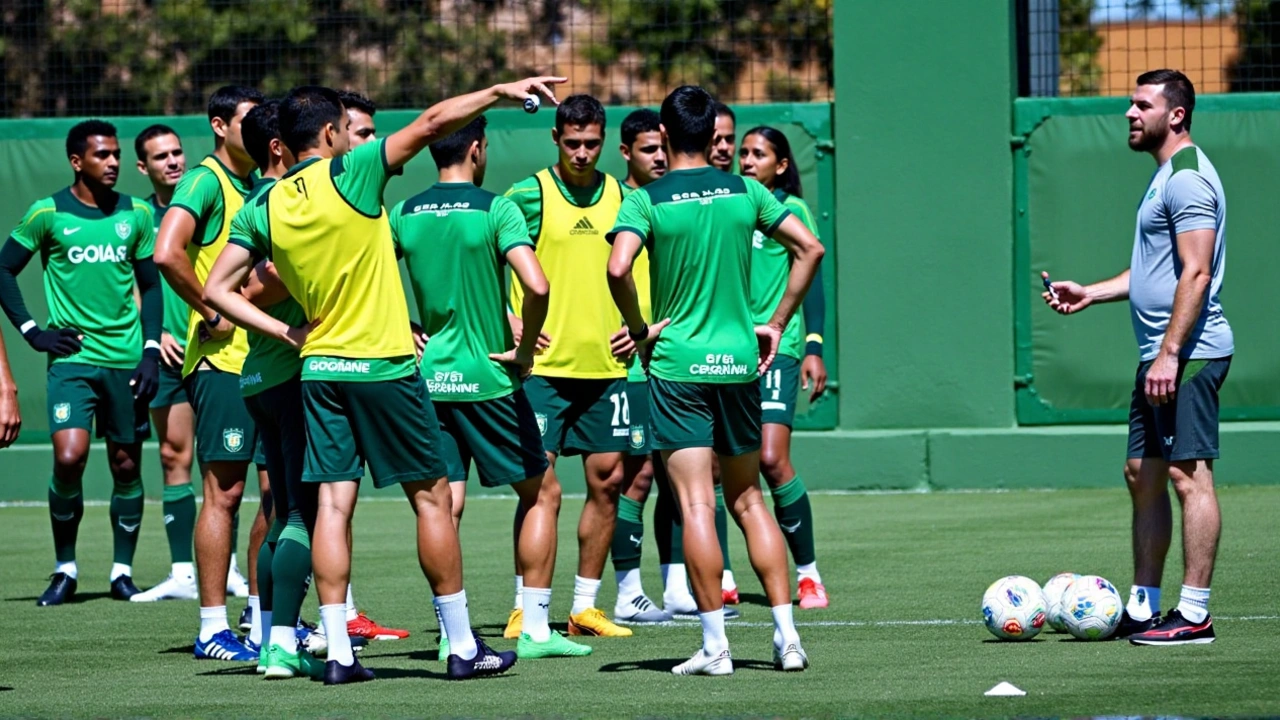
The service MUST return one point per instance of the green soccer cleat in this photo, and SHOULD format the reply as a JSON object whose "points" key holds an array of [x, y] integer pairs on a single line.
{"points": [[555, 646], [282, 665], [443, 655]]}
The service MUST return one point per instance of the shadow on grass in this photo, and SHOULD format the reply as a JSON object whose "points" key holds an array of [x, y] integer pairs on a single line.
{"points": [[181, 650], [664, 665], [238, 670], [998, 641], [754, 599], [5, 689], [75, 599]]}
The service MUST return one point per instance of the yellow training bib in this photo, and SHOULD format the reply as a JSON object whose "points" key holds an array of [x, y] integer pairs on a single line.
{"points": [[227, 354]]}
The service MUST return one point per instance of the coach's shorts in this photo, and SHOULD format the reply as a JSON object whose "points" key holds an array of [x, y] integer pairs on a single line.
{"points": [[282, 437], [501, 435], [389, 424], [77, 394], [638, 409], [779, 389], [224, 430], [1187, 428], [577, 417], [171, 391], [724, 417]]}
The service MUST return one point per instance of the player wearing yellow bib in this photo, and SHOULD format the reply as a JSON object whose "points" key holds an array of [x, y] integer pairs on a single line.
{"points": [[324, 228], [193, 232]]}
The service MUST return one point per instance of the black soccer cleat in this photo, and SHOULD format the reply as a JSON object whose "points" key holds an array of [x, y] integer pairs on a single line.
{"points": [[1177, 630], [62, 587], [1128, 626], [486, 662], [335, 674], [122, 588], [246, 619]]}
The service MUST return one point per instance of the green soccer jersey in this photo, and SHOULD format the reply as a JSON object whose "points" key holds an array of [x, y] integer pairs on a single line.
{"points": [[770, 266], [697, 226], [88, 255], [269, 362], [454, 238], [200, 194], [177, 314], [635, 368], [527, 195]]}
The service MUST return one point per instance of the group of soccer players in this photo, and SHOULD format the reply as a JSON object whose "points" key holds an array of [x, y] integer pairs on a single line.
{"points": [[648, 326]]}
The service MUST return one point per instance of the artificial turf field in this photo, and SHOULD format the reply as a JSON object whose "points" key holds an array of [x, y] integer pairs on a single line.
{"points": [[905, 573]]}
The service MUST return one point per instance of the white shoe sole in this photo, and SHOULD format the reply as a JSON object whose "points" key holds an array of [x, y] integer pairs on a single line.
{"points": [[1197, 641], [700, 664], [168, 594], [794, 660]]}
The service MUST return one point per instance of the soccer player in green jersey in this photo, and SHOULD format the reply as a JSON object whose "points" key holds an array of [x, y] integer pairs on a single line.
{"points": [[10, 413], [705, 356], [104, 353], [456, 240], [364, 399], [766, 157]]}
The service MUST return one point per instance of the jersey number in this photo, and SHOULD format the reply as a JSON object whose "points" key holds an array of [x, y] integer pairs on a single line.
{"points": [[773, 383], [301, 184], [621, 409]]}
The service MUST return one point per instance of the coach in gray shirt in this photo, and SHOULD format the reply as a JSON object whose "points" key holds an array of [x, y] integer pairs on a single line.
{"points": [[1184, 346]]}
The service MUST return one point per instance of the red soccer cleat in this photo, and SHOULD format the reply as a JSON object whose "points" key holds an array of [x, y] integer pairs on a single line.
{"points": [[363, 626], [812, 594], [730, 597]]}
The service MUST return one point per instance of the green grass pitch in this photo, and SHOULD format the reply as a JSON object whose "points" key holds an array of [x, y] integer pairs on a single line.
{"points": [[905, 573]]}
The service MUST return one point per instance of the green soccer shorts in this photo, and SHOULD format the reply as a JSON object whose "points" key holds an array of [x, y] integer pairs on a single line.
{"points": [[1185, 429], [638, 408], [171, 392], [79, 394], [500, 435], [578, 417], [779, 390], [724, 417], [225, 432]]}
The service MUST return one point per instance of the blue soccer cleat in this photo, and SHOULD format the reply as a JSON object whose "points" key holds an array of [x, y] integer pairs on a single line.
{"points": [[224, 646]]}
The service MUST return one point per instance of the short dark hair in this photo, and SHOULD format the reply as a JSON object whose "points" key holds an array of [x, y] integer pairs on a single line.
{"points": [[789, 181], [224, 101], [1178, 90], [261, 126], [150, 133], [303, 114], [78, 136], [581, 110], [354, 100], [689, 115], [722, 109], [452, 149], [640, 121]]}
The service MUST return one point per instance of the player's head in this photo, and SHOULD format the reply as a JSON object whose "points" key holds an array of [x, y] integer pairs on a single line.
{"points": [[227, 107], [94, 152], [1161, 104], [312, 119], [160, 155], [766, 156], [722, 144], [579, 134], [261, 130], [642, 146], [689, 120], [360, 112], [468, 145]]}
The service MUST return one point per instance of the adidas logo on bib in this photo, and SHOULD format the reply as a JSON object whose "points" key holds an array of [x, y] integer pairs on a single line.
{"points": [[584, 227]]}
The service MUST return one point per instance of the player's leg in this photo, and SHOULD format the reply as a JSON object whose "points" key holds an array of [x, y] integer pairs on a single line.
{"points": [[1146, 475], [72, 402], [669, 533], [174, 422], [125, 461], [632, 604], [237, 584], [728, 584], [251, 617], [359, 624]]}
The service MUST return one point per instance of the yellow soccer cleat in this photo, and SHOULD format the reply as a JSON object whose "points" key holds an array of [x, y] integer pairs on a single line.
{"points": [[592, 621], [515, 625]]}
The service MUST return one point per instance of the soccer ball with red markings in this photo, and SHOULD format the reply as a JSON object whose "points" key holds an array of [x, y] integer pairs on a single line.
{"points": [[1013, 608], [1092, 608]]}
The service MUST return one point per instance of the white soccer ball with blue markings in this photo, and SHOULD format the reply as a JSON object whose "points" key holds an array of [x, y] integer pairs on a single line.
{"points": [[1092, 608], [1013, 608], [1054, 590]]}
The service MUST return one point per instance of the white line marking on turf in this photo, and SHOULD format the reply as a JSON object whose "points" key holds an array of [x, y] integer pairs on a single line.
{"points": [[685, 622]]}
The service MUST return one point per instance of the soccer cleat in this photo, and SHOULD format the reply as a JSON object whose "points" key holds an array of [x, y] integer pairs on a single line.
{"points": [[262, 654], [364, 626], [555, 646], [703, 663], [791, 658], [122, 588], [731, 613], [1175, 629], [236, 584], [640, 611], [685, 605], [311, 638], [812, 594], [442, 654], [246, 619], [335, 674], [171, 589], [224, 646], [593, 622], [486, 662], [730, 596], [1128, 626], [62, 587], [282, 664], [515, 624]]}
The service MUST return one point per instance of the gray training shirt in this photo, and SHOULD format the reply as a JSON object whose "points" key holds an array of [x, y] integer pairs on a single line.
{"points": [[1185, 194]]}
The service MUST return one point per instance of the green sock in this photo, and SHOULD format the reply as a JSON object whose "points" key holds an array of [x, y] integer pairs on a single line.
{"points": [[126, 518], [180, 521], [628, 535], [266, 554], [795, 517], [290, 570], [722, 527], [66, 507]]}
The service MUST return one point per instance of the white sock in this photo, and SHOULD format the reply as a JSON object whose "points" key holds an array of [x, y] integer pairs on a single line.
{"points": [[675, 581], [454, 617], [334, 619], [352, 613], [713, 638], [784, 626], [537, 611], [726, 581], [233, 567], [519, 592], [255, 619], [183, 571], [584, 593], [444, 635], [809, 571], [1194, 603], [1144, 602], [286, 638], [629, 586], [67, 568], [118, 569], [213, 620]]}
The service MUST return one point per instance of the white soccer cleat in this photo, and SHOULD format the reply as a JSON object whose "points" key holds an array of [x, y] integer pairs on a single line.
{"points": [[703, 663], [792, 658], [640, 611], [236, 584], [171, 589], [680, 604]]}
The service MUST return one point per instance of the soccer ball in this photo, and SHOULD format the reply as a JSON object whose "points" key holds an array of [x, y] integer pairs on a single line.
{"points": [[1092, 608], [1013, 608], [1053, 591]]}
